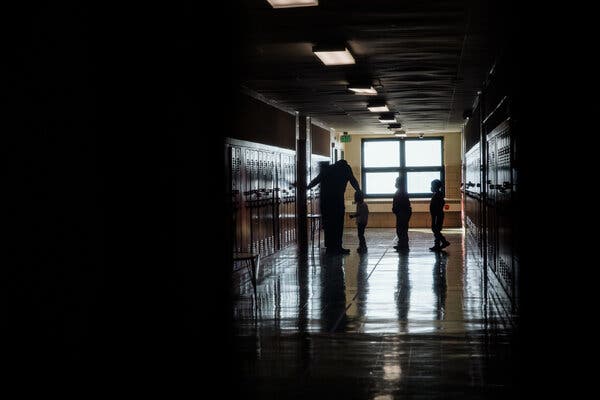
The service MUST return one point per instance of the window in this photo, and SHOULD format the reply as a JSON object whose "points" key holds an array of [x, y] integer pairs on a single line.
{"points": [[418, 161]]}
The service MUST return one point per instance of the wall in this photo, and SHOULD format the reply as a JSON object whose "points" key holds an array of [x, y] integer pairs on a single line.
{"points": [[380, 209], [320, 140], [260, 122]]}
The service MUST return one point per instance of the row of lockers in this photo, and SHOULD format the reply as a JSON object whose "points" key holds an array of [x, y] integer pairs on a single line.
{"points": [[264, 196], [490, 220], [491, 190]]}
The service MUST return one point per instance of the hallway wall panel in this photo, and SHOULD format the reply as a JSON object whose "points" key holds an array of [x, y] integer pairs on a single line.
{"points": [[321, 141], [259, 122], [471, 129]]}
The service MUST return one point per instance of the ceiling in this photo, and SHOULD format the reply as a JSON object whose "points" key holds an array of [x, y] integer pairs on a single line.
{"points": [[427, 59]]}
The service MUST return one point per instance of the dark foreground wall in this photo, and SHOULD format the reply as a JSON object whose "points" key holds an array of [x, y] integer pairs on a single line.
{"points": [[114, 176]]}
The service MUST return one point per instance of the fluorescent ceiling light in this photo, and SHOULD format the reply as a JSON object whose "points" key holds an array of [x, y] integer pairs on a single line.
{"points": [[395, 126], [363, 89], [377, 107], [293, 3], [334, 56], [400, 133], [387, 118]]}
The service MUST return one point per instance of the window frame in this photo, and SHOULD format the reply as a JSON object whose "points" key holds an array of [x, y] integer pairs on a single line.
{"points": [[402, 169]]}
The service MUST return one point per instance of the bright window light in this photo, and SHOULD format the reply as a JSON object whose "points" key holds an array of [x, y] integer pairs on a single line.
{"points": [[417, 161], [335, 57], [293, 3], [365, 90], [381, 182], [424, 153], [420, 182], [383, 153]]}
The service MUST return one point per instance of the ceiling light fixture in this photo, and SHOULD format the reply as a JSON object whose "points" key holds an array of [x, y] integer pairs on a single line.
{"points": [[334, 55], [387, 118], [377, 107], [395, 126], [367, 90], [400, 133], [293, 3]]}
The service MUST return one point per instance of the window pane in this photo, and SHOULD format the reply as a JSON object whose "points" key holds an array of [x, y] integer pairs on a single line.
{"points": [[380, 182], [382, 154], [423, 153], [420, 182]]}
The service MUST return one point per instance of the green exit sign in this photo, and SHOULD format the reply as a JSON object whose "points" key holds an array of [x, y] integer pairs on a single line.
{"points": [[345, 138]]}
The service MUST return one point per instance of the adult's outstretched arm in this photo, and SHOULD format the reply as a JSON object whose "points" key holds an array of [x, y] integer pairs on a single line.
{"points": [[353, 180], [314, 182]]}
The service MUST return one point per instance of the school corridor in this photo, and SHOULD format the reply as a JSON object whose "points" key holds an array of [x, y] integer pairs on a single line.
{"points": [[156, 157], [405, 94], [382, 325]]}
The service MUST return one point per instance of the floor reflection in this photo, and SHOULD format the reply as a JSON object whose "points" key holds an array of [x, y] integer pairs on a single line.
{"points": [[383, 325], [333, 295], [403, 292], [439, 283]]}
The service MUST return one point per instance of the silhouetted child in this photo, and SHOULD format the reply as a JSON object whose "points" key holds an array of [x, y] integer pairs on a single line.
{"points": [[436, 209], [362, 217], [402, 209]]}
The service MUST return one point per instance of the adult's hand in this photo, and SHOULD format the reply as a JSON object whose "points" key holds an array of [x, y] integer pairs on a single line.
{"points": [[299, 185]]}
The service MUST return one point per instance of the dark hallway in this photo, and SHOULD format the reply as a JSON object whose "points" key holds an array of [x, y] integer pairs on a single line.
{"points": [[432, 92], [148, 147]]}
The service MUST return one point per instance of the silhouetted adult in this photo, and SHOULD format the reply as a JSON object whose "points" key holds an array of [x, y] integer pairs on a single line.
{"points": [[333, 180]]}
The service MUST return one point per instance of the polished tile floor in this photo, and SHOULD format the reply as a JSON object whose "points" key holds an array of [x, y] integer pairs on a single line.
{"points": [[383, 325]]}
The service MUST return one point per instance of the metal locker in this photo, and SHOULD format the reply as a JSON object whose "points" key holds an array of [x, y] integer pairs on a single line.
{"points": [[500, 211], [472, 189], [490, 204], [235, 161], [504, 207]]}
